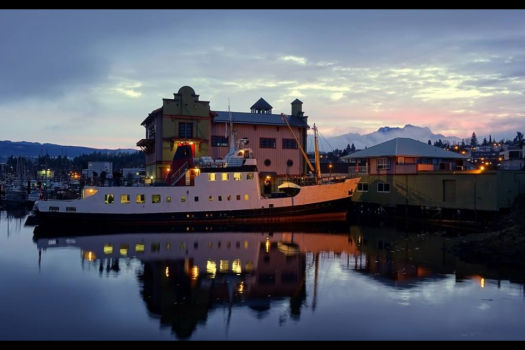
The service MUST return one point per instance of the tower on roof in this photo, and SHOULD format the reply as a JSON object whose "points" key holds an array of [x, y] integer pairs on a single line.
{"points": [[297, 108], [261, 107]]}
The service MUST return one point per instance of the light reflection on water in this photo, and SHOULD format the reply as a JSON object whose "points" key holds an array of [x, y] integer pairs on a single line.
{"points": [[355, 282]]}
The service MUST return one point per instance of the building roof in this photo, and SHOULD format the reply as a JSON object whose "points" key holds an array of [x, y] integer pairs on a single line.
{"points": [[259, 119], [404, 147], [297, 101], [151, 115], [261, 104]]}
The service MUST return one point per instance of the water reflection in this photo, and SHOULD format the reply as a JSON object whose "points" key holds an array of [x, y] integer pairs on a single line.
{"points": [[319, 282]]}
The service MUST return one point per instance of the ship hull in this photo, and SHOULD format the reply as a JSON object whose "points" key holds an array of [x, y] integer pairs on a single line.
{"points": [[314, 212]]}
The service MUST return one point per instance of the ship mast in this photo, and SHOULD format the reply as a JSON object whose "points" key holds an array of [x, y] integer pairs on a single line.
{"points": [[317, 162], [317, 173], [232, 142]]}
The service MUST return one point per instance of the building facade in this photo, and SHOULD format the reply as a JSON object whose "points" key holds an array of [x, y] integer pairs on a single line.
{"points": [[187, 119]]}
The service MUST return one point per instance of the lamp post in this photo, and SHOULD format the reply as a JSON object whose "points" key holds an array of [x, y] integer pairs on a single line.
{"points": [[330, 167]]}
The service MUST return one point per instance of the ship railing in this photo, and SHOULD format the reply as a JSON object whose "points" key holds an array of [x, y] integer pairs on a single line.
{"points": [[179, 174]]}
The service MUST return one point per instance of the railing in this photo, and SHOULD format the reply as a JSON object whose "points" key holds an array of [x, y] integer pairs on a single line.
{"points": [[176, 176]]}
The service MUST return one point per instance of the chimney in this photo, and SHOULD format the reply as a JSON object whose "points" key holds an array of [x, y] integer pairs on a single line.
{"points": [[297, 108]]}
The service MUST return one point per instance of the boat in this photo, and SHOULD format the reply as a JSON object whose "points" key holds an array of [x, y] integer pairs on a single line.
{"points": [[206, 192]]}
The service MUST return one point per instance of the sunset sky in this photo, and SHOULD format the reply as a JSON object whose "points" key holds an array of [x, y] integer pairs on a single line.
{"points": [[89, 78]]}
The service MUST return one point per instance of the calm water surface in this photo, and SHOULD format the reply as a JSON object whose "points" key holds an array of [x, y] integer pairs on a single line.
{"points": [[355, 282]]}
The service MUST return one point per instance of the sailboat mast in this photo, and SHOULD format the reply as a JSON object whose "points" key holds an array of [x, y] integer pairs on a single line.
{"points": [[317, 162]]}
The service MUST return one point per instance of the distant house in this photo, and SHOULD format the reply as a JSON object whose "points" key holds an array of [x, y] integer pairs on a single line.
{"points": [[403, 156]]}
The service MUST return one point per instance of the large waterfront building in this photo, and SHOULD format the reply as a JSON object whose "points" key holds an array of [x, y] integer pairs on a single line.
{"points": [[187, 119]]}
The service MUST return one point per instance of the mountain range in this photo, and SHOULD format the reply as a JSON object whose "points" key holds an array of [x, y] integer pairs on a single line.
{"points": [[385, 134], [34, 149], [423, 134]]}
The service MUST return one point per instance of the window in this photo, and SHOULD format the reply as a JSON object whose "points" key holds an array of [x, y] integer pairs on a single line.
{"points": [[139, 248], [267, 162], [151, 131], [401, 160], [196, 198], [229, 197], [289, 162], [246, 197], [220, 198], [267, 143], [237, 176], [125, 199], [183, 199], [225, 176], [168, 199], [108, 248], [155, 198], [383, 187], [362, 187], [383, 163], [238, 197], [212, 177], [71, 208], [141, 199], [219, 141], [289, 144], [211, 198], [186, 130], [108, 198], [249, 176], [155, 247]]}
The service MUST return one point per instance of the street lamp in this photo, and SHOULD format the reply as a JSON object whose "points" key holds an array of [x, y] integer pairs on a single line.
{"points": [[330, 167]]}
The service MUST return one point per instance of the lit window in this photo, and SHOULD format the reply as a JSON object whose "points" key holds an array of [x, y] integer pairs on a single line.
{"points": [[139, 248], [212, 177], [183, 246], [229, 197], [228, 244], [245, 244], [225, 176], [141, 198], [124, 249], [155, 198], [237, 176], [223, 265], [236, 266], [108, 249], [183, 199], [108, 198], [211, 198], [168, 199], [246, 197], [124, 198], [249, 176]]}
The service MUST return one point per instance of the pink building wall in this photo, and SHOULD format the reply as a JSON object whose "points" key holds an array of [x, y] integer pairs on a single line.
{"points": [[278, 156]]}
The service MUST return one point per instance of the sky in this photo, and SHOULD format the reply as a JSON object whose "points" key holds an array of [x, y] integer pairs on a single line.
{"points": [[90, 77]]}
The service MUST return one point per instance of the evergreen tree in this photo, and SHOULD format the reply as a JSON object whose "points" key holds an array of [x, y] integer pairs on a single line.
{"points": [[473, 140], [485, 142], [490, 139], [352, 148]]}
